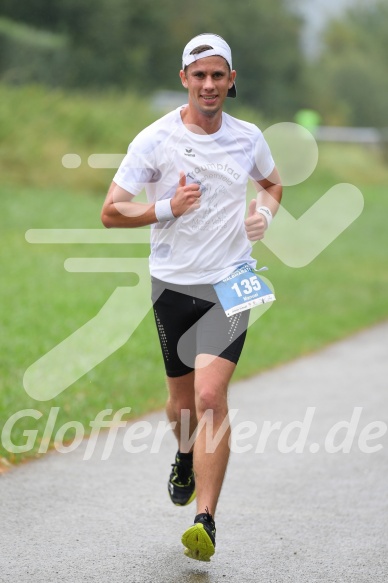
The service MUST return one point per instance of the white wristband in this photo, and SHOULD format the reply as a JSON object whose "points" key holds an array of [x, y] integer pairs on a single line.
{"points": [[163, 210], [265, 211]]}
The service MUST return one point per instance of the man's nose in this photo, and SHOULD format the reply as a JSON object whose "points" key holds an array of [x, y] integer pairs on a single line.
{"points": [[209, 83]]}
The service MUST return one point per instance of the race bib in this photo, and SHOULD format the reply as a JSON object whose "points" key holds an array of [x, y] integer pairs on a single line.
{"points": [[242, 290]]}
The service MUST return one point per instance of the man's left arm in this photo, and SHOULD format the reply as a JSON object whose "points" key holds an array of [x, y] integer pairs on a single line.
{"points": [[262, 210]]}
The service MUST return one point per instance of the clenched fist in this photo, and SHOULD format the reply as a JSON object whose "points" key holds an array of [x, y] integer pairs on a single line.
{"points": [[186, 198], [255, 223]]}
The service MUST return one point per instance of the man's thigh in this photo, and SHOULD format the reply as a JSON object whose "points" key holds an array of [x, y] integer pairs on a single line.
{"points": [[176, 316], [194, 323], [220, 335]]}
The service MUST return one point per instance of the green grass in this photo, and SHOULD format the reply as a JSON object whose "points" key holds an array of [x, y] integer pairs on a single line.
{"points": [[38, 127], [341, 291]]}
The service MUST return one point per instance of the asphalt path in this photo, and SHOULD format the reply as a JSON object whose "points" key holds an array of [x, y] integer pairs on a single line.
{"points": [[306, 502]]}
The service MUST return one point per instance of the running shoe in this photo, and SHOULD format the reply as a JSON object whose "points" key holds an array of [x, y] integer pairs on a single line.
{"points": [[200, 539], [181, 484]]}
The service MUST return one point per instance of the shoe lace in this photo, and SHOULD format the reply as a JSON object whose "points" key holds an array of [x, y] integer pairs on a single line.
{"points": [[209, 516], [211, 524], [181, 473]]}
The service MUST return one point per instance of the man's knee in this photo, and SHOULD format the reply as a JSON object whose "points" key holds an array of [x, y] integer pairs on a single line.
{"points": [[208, 399]]}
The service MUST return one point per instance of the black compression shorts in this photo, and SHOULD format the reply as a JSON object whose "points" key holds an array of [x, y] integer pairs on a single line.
{"points": [[191, 321]]}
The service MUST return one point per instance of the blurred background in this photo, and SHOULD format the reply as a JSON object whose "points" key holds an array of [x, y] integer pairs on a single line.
{"points": [[85, 77], [329, 55], [325, 54]]}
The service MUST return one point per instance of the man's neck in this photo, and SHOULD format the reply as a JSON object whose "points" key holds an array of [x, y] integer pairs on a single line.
{"points": [[200, 123]]}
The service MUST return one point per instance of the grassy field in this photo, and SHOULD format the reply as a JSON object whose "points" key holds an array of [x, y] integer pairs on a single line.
{"points": [[343, 290]]}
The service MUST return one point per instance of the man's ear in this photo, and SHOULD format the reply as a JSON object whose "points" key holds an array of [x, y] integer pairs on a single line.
{"points": [[232, 78], [182, 75]]}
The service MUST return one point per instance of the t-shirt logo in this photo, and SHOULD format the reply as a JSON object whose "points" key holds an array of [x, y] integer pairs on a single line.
{"points": [[189, 152]]}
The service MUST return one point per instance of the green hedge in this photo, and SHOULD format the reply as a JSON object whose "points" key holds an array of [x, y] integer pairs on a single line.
{"points": [[31, 55]]}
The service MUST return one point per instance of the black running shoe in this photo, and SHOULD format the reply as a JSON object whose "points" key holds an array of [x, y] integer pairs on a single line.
{"points": [[200, 539], [181, 485]]}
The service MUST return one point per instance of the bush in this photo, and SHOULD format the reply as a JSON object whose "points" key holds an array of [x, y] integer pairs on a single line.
{"points": [[31, 55]]}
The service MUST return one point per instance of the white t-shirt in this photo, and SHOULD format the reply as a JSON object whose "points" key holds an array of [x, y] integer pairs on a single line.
{"points": [[206, 245]]}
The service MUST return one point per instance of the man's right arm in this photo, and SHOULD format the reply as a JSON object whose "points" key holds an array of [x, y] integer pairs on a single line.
{"points": [[119, 210]]}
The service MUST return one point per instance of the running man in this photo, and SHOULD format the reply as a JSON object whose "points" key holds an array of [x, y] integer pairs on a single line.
{"points": [[194, 164]]}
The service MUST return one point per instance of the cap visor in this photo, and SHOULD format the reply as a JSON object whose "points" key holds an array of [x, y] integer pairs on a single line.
{"points": [[232, 91]]}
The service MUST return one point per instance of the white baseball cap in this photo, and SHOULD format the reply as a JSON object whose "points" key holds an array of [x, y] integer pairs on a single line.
{"points": [[220, 48]]}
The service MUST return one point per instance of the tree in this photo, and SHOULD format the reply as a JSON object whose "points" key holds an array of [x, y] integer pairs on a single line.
{"points": [[46, 14], [138, 44], [353, 71]]}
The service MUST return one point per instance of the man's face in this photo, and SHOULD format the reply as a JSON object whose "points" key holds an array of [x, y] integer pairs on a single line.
{"points": [[208, 81]]}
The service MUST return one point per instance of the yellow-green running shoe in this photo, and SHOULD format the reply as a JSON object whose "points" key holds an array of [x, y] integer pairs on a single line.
{"points": [[181, 484], [200, 539]]}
